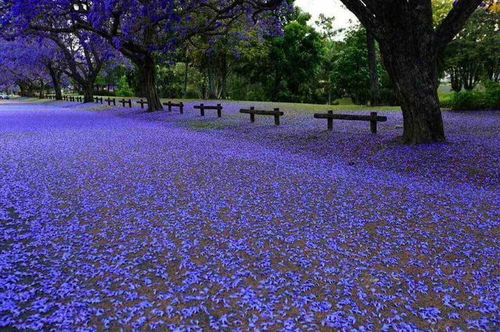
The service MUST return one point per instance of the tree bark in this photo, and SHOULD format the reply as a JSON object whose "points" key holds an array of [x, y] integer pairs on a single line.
{"points": [[88, 93], [56, 82], [148, 77], [416, 81]]}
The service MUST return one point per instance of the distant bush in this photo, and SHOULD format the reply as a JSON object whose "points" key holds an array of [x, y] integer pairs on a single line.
{"points": [[492, 95], [446, 100], [104, 93], [468, 100], [124, 89]]}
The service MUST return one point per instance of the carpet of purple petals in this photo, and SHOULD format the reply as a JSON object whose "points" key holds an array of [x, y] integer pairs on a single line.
{"points": [[120, 219]]}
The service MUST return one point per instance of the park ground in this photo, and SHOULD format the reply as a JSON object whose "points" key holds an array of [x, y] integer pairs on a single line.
{"points": [[116, 218]]}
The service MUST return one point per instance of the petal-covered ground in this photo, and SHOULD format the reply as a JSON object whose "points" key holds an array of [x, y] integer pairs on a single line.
{"points": [[119, 219]]}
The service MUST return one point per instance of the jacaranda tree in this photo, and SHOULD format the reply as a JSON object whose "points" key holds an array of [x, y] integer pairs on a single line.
{"points": [[140, 29], [30, 64], [410, 47]]}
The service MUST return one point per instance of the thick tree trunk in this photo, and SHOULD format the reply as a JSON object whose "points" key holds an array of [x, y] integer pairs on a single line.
{"points": [[372, 65], [88, 93], [416, 81], [56, 83], [148, 76]]}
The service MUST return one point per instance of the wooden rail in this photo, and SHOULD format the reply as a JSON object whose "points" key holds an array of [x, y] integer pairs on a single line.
{"points": [[203, 108], [253, 112], [373, 118]]}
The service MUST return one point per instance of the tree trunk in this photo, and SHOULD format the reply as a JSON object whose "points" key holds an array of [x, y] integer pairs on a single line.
{"points": [[212, 86], [455, 80], [148, 76], [41, 92], [372, 65], [416, 83], [56, 83], [186, 77], [88, 93]]}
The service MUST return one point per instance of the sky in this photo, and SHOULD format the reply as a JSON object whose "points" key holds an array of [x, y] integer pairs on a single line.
{"points": [[329, 8]]}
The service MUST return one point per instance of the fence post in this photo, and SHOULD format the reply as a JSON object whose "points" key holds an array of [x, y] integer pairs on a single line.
{"points": [[181, 107], [219, 110], [252, 115], [277, 117], [373, 122], [202, 110], [330, 121]]}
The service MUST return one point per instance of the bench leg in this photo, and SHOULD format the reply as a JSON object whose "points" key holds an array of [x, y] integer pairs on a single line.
{"points": [[330, 124], [252, 117]]}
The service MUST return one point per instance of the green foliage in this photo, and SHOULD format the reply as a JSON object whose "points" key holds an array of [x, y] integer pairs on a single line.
{"points": [[446, 100], [286, 67], [492, 95], [486, 98], [468, 100], [104, 93], [350, 73], [475, 53], [124, 89]]}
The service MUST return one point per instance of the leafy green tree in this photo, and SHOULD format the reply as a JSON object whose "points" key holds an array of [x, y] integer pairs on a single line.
{"points": [[289, 70], [475, 53], [351, 74], [124, 89]]}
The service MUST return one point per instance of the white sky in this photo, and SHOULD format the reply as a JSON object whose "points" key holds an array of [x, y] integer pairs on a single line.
{"points": [[329, 8]]}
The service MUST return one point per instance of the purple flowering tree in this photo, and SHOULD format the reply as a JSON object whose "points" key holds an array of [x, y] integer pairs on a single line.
{"points": [[84, 56], [30, 64], [141, 30], [410, 48]]}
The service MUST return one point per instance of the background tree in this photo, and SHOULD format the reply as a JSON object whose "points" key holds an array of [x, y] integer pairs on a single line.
{"points": [[31, 64], [84, 55], [475, 53], [140, 29]]}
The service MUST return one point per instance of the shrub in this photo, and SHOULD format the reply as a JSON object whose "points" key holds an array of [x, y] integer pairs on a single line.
{"points": [[492, 95], [446, 100], [468, 100], [104, 93], [124, 89]]}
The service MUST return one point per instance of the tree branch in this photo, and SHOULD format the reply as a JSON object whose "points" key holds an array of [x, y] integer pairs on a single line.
{"points": [[454, 22]]}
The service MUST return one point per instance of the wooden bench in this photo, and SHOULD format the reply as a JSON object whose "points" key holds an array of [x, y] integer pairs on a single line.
{"points": [[203, 107], [252, 111], [179, 105], [124, 101], [142, 102], [111, 101], [373, 118]]}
